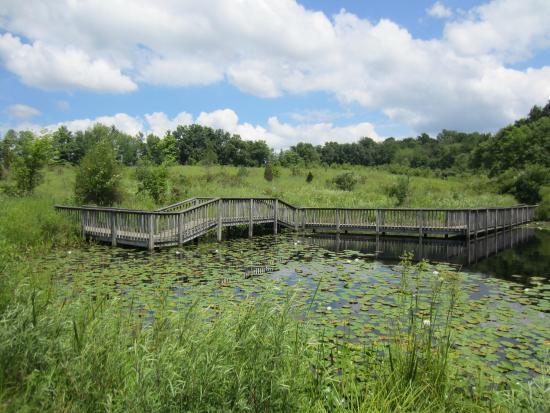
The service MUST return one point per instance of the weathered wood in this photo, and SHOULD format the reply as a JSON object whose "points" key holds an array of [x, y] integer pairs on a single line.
{"points": [[113, 229], [151, 239], [275, 215], [220, 216], [152, 229], [251, 218]]}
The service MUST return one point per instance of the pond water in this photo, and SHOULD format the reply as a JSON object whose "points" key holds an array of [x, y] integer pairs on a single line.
{"points": [[502, 328]]}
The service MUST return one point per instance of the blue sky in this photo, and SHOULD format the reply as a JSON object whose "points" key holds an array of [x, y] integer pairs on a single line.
{"points": [[278, 70]]}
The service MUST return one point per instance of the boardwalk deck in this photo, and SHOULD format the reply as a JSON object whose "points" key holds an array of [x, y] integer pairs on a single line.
{"points": [[186, 220]]}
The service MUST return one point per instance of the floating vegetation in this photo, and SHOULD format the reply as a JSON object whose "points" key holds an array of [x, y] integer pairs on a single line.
{"points": [[502, 331]]}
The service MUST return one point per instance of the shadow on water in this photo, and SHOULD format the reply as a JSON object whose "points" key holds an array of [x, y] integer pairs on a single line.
{"points": [[516, 254]]}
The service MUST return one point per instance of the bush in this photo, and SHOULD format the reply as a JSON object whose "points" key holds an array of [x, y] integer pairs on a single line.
{"points": [[268, 172], [27, 166], [345, 181], [98, 177], [152, 180], [400, 190], [528, 184], [309, 177]]}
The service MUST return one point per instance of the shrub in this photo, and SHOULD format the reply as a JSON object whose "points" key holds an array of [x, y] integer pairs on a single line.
{"points": [[309, 177], [27, 166], [98, 177], [152, 180], [400, 190], [268, 172], [527, 185], [345, 181]]}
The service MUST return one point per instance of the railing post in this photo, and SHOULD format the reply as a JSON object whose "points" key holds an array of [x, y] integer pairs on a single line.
{"points": [[251, 218], [84, 219], [275, 216], [377, 221], [219, 228], [476, 219], [337, 212], [420, 219], [113, 228], [303, 218], [296, 214], [486, 221], [469, 213], [151, 242], [180, 229]]}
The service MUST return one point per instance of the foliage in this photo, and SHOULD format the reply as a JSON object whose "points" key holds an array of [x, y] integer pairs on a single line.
{"points": [[345, 181], [400, 190], [152, 180], [268, 172], [309, 177], [98, 177], [32, 155], [528, 184]]}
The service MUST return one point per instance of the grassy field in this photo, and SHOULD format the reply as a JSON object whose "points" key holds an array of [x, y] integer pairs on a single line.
{"points": [[93, 353], [371, 190]]}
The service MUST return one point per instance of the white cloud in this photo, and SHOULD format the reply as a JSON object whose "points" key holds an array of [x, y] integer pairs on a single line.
{"points": [[23, 112], [277, 134], [270, 48], [439, 10], [51, 68], [159, 123], [510, 30], [122, 121]]}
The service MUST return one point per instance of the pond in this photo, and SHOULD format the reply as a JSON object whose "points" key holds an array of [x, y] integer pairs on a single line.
{"points": [[502, 328]]}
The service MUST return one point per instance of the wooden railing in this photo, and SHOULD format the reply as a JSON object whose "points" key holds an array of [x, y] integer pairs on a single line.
{"points": [[189, 219]]}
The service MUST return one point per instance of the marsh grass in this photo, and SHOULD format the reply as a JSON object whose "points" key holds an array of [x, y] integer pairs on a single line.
{"points": [[373, 188]]}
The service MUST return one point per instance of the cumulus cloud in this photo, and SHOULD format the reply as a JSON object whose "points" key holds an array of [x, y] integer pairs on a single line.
{"points": [[271, 48], [51, 68], [22, 112], [277, 134], [122, 121], [509, 30], [439, 10], [159, 122]]}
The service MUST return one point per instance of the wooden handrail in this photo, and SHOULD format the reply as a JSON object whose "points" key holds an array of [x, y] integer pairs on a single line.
{"points": [[162, 227]]}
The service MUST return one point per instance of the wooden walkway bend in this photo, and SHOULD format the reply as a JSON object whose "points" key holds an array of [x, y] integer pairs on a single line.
{"points": [[186, 220]]}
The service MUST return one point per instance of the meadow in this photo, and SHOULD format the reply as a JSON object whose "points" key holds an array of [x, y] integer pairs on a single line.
{"points": [[372, 188], [64, 347]]}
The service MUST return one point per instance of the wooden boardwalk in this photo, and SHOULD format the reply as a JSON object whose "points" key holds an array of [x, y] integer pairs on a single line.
{"points": [[186, 220]]}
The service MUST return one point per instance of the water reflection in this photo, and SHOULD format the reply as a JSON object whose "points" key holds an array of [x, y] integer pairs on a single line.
{"points": [[515, 253]]}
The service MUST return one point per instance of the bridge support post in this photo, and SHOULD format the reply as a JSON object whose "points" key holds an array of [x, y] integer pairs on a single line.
{"points": [[219, 227], [151, 240], [275, 216], [113, 228], [180, 230], [251, 218]]}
